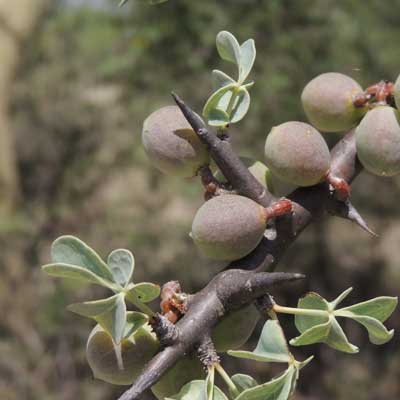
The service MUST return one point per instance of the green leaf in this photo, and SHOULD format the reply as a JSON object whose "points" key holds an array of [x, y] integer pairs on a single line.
{"points": [[271, 347], [311, 301], [276, 389], [338, 340], [247, 57], [144, 291], [315, 334], [71, 250], [110, 313], [301, 364], [218, 117], [134, 320], [195, 390], [218, 101], [377, 332], [228, 47], [220, 79], [122, 264], [60, 270], [243, 382], [340, 298], [240, 106], [380, 308]]}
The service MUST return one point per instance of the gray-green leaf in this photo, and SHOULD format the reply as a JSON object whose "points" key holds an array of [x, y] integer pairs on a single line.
{"points": [[220, 79], [247, 57], [228, 47], [271, 347], [134, 320], [243, 382], [61, 270], [122, 264], [315, 334], [380, 308], [276, 389], [110, 313], [144, 291], [241, 105], [195, 390], [73, 251], [311, 301]]}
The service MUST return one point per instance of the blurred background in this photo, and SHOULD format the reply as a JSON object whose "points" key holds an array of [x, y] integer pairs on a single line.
{"points": [[77, 79]]}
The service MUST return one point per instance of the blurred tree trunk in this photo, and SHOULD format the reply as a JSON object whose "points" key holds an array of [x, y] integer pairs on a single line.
{"points": [[18, 20]]}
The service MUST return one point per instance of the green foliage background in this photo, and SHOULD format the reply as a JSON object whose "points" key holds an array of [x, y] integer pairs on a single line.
{"points": [[88, 79]]}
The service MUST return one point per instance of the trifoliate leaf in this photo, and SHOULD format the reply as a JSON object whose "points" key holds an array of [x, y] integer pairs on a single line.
{"points": [[121, 263], [247, 57], [271, 347], [110, 313], [195, 390], [73, 251], [228, 47], [220, 79]]}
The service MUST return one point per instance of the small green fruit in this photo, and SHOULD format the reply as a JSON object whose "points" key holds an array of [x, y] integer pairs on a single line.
{"points": [[120, 364], [186, 370], [171, 144], [328, 102], [378, 141], [228, 227], [396, 92], [235, 329], [297, 153]]}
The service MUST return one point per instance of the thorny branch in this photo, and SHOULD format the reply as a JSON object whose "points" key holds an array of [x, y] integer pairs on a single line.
{"points": [[245, 280]]}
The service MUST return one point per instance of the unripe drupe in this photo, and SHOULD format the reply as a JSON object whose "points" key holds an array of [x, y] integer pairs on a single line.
{"points": [[328, 102], [228, 227], [378, 141], [171, 144], [297, 153]]}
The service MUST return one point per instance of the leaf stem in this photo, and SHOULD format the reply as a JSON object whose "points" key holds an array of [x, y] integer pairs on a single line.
{"points": [[227, 380], [300, 311], [210, 386]]}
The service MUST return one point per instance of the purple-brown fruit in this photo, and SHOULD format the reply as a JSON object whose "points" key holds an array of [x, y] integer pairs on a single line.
{"points": [[171, 143], [297, 153], [378, 141], [328, 102], [228, 227]]}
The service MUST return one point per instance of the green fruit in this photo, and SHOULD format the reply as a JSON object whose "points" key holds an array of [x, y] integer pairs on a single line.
{"points": [[120, 364], [235, 329], [186, 370], [396, 92], [228, 227], [328, 102], [297, 153], [171, 144], [378, 141]]}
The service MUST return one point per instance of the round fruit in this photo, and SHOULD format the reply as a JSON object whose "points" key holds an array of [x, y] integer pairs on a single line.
{"points": [[396, 92], [185, 371], [235, 329], [228, 227], [297, 153], [171, 144], [120, 364], [378, 141], [328, 102]]}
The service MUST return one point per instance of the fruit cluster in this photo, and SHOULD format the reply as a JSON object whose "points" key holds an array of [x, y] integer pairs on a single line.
{"points": [[230, 226]]}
